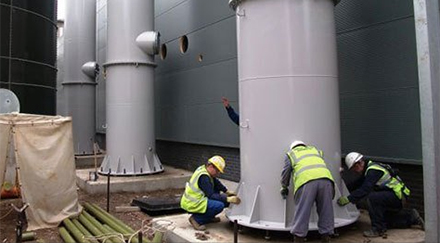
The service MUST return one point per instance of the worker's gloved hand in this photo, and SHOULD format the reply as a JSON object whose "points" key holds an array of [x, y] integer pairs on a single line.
{"points": [[230, 193], [342, 201], [233, 200], [284, 192]]}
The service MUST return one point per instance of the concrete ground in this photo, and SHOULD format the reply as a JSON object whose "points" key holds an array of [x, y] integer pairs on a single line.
{"points": [[182, 231], [224, 232]]}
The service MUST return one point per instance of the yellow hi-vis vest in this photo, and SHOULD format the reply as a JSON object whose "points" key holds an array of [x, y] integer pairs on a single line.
{"points": [[394, 183], [194, 199], [308, 165]]}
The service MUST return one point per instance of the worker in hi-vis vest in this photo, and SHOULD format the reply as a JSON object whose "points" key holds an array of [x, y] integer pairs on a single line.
{"points": [[385, 194], [205, 196], [312, 182]]}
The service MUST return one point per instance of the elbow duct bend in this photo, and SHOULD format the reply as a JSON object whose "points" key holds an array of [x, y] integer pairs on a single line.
{"points": [[149, 42]]}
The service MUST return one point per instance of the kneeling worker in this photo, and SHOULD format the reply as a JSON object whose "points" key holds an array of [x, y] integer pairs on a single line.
{"points": [[384, 191], [205, 196]]}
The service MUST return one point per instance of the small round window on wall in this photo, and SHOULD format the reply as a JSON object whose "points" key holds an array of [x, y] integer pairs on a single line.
{"points": [[163, 51], [183, 42]]}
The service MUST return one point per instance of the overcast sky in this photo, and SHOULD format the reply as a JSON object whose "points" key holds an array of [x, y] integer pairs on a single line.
{"points": [[61, 9]]}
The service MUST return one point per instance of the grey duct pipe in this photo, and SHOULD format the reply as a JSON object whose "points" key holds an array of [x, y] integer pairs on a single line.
{"points": [[294, 67], [80, 71], [132, 44]]}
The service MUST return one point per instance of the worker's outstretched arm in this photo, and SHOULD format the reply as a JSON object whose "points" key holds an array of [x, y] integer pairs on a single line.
{"points": [[286, 174], [367, 186]]}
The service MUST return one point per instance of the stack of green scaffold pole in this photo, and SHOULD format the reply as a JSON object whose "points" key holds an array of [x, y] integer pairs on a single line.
{"points": [[95, 225]]}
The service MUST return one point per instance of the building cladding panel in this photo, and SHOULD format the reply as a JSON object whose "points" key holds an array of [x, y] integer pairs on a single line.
{"points": [[380, 111], [189, 85]]}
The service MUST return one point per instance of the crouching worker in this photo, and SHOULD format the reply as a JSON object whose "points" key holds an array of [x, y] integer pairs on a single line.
{"points": [[384, 192], [205, 196]]}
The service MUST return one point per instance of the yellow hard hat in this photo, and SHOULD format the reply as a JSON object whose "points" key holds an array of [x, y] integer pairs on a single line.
{"points": [[218, 162]]}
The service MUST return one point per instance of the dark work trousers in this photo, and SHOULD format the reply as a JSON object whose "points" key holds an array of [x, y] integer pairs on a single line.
{"points": [[321, 192], [214, 207], [386, 211]]}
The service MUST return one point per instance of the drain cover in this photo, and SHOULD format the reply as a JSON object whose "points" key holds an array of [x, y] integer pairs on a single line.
{"points": [[158, 206]]}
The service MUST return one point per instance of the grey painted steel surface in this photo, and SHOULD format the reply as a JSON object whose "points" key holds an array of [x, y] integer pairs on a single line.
{"points": [[101, 57], [378, 80], [61, 99], [427, 23], [131, 148], [288, 86], [78, 87]]}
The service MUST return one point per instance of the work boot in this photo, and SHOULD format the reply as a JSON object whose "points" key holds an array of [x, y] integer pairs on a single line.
{"points": [[297, 239], [417, 219], [196, 225], [215, 220], [325, 238], [373, 233]]}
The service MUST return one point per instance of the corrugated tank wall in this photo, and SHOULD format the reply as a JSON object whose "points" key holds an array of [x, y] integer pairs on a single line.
{"points": [[379, 96], [28, 53]]}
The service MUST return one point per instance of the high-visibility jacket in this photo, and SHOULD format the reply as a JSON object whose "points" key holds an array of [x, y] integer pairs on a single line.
{"points": [[388, 181], [308, 164], [194, 199]]}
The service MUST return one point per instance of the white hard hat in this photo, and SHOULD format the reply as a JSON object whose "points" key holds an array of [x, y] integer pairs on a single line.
{"points": [[296, 143], [352, 158], [218, 162]]}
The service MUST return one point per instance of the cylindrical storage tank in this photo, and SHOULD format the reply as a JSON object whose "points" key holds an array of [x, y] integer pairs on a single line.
{"points": [[288, 87], [28, 53], [130, 137], [78, 85]]}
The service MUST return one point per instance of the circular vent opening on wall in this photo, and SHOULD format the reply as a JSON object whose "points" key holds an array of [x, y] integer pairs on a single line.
{"points": [[163, 51], [183, 42]]}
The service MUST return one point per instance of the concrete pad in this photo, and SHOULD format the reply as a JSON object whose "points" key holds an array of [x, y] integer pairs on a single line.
{"points": [[171, 178], [88, 161], [224, 232]]}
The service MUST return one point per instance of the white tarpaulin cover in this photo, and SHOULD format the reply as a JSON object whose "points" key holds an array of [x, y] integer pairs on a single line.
{"points": [[45, 158]]}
